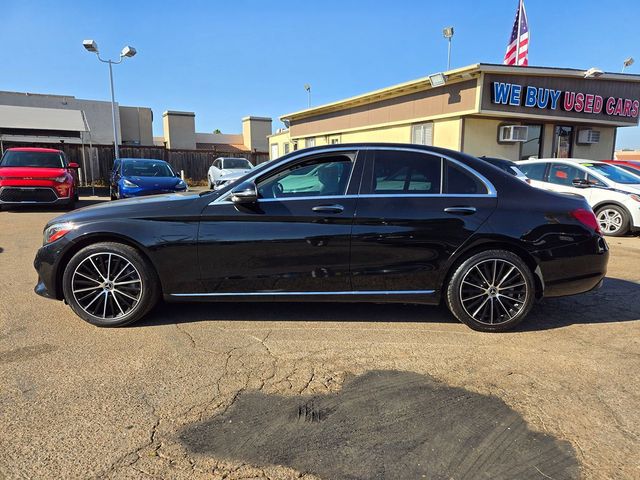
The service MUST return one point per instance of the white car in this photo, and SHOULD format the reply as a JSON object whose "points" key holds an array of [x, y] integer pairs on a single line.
{"points": [[225, 165], [228, 178], [612, 192]]}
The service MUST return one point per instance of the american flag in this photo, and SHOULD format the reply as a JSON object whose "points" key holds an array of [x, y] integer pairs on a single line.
{"points": [[518, 48]]}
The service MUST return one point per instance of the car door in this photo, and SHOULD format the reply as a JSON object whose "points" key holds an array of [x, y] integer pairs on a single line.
{"points": [[561, 176], [414, 210], [295, 238]]}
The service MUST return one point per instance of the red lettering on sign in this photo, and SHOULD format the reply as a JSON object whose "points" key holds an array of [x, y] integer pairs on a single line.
{"points": [[635, 106], [567, 101], [588, 103], [597, 104], [579, 102], [626, 111], [618, 110], [610, 107]]}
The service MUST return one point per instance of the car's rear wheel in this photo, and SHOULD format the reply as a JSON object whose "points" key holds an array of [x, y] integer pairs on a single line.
{"points": [[110, 284], [613, 220], [492, 291]]}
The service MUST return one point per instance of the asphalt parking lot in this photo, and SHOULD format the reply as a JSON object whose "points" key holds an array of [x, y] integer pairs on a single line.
{"points": [[284, 391]]}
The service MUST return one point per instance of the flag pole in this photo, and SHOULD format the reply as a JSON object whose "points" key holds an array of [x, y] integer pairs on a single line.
{"points": [[518, 39]]}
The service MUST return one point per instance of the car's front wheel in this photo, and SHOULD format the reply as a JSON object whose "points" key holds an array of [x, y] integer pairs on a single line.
{"points": [[492, 291], [613, 220], [110, 284]]}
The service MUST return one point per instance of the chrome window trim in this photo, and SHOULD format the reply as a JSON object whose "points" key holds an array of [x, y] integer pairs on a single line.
{"points": [[491, 190], [348, 292]]}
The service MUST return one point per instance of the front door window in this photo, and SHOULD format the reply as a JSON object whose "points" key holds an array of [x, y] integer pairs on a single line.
{"points": [[562, 142]]}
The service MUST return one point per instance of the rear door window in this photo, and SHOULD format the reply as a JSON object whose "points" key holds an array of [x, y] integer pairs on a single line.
{"points": [[402, 172], [460, 181]]}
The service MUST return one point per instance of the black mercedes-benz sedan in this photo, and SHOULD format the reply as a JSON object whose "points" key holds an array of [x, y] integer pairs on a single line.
{"points": [[360, 222]]}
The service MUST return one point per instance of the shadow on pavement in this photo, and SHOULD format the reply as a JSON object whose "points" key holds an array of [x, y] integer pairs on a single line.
{"points": [[607, 305], [384, 424], [60, 209]]}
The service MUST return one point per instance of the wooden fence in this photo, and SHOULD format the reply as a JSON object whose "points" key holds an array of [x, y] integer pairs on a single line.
{"points": [[96, 161]]}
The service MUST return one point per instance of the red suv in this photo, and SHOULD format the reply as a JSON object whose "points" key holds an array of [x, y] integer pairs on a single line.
{"points": [[632, 166], [37, 175]]}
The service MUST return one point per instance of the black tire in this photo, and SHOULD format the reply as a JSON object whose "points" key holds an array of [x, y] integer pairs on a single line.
{"points": [[111, 194], [209, 182], [76, 196], [613, 220], [107, 312], [508, 293]]}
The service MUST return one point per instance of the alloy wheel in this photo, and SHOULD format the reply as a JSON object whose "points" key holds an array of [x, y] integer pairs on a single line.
{"points": [[493, 291], [610, 220], [106, 285]]}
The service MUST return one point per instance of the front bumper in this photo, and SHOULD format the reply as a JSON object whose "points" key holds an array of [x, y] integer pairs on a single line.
{"points": [[31, 195], [143, 192], [46, 264]]}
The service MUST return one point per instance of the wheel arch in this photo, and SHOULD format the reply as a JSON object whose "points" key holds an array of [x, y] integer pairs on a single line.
{"points": [[501, 244], [87, 240]]}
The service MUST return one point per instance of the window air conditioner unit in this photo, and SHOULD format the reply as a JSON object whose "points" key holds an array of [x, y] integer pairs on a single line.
{"points": [[587, 135], [513, 133]]}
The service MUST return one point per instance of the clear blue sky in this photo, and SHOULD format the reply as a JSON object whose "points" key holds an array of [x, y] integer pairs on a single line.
{"points": [[227, 59]]}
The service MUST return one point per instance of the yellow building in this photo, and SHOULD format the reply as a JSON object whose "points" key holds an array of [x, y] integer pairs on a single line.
{"points": [[482, 109]]}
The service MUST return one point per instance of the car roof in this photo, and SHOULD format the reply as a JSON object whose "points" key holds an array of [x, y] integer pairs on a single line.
{"points": [[34, 149], [568, 160]]}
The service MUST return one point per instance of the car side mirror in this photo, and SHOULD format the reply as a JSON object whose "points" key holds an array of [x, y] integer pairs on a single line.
{"points": [[246, 193], [581, 183], [74, 165]]}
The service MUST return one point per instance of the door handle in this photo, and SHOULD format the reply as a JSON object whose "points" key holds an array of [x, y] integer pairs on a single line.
{"points": [[460, 210], [328, 208]]}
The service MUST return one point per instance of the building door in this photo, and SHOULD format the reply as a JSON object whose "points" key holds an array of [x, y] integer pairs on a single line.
{"points": [[562, 141]]}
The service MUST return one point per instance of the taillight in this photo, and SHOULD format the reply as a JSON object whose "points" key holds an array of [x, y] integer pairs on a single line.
{"points": [[587, 218]]}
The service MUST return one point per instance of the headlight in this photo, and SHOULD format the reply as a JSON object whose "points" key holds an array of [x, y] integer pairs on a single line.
{"points": [[60, 179], [181, 184], [56, 231], [129, 184], [635, 197]]}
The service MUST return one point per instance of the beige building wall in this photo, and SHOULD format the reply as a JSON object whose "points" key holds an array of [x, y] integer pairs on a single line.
{"points": [[179, 129], [547, 140], [136, 126], [602, 150], [255, 131], [481, 138], [448, 133], [277, 142]]}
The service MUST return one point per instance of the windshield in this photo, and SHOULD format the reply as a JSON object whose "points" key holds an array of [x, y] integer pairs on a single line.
{"points": [[613, 173], [14, 158], [146, 168], [231, 163]]}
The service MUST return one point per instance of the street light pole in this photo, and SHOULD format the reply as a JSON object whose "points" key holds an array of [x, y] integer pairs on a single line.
{"points": [[113, 112], [127, 52], [307, 87], [447, 33]]}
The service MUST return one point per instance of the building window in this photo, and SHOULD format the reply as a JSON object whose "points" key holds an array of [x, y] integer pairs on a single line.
{"points": [[310, 142], [285, 148], [531, 148], [274, 151], [422, 133], [562, 142]]}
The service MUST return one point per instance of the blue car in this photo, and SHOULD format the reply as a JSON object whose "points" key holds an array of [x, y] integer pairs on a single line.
{"points": [[134, 177]]}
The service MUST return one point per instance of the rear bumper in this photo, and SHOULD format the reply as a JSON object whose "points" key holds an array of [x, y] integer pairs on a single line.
{"points": [[578, 270]]}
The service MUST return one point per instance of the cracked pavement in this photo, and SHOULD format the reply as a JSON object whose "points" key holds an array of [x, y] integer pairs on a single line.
{"points": [[78, 401]]}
